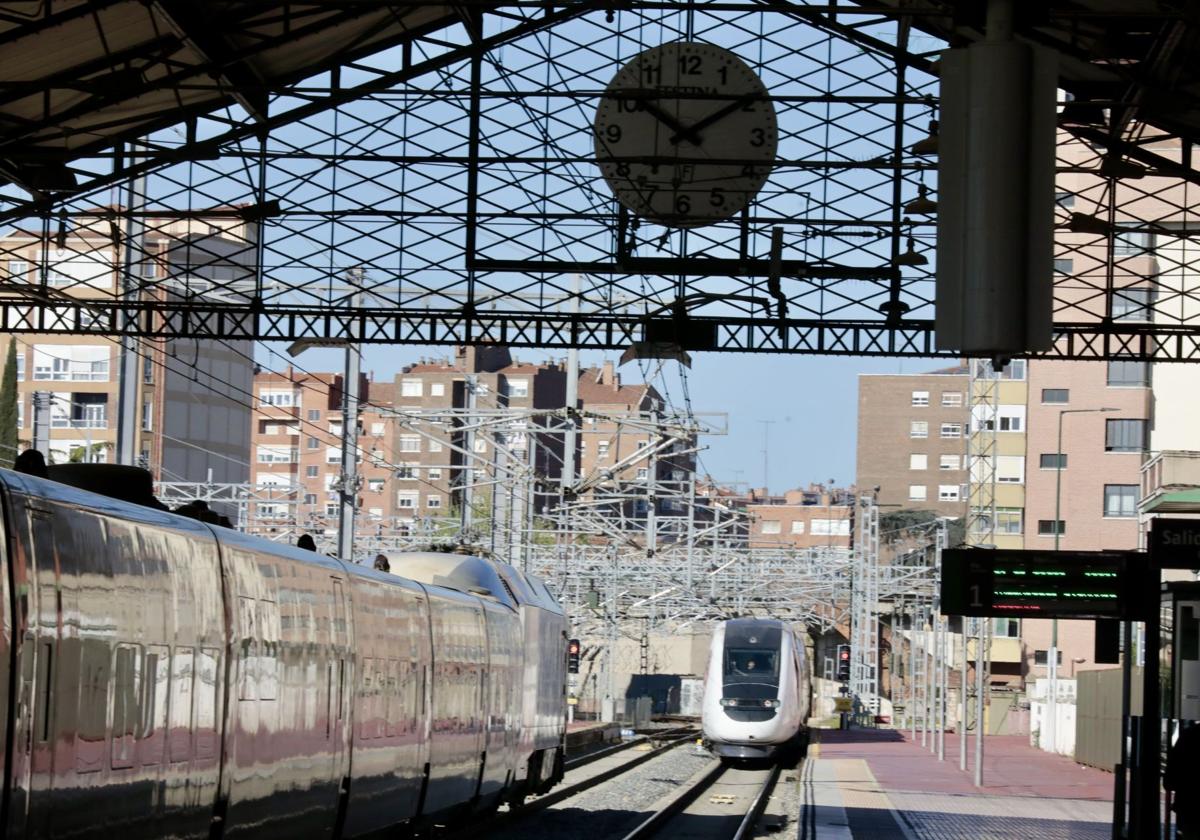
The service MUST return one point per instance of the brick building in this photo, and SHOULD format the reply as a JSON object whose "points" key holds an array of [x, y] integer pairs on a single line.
{"points": [[809, 518]]}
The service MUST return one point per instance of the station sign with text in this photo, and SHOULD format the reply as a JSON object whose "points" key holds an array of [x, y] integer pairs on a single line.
{"points": [[1175, 543], [1048, 584]]}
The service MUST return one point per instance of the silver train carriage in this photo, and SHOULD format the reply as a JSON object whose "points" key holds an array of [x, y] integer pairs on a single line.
{"points": [[757, 692], [167, 678]]}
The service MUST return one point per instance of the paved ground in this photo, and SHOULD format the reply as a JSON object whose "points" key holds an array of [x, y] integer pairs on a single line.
{"points": [[873, 784]]}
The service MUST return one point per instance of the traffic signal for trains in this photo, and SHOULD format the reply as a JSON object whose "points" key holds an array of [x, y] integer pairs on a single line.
{"points": [[843, 662], [573, 656]]}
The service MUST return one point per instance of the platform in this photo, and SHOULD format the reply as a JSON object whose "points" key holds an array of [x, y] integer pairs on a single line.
{"points": [[870, 784]]}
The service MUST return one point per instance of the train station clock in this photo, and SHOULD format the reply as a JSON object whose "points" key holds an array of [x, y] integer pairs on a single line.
{"points": [[685, 134]]}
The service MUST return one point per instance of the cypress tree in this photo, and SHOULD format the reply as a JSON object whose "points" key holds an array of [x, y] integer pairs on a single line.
{"points": [[8, 407]]}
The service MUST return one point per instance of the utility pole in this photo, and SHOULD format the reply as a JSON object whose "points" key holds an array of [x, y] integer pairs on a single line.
{"points": [[348, 492], [766, 424], [41, 423], [131, 263]]}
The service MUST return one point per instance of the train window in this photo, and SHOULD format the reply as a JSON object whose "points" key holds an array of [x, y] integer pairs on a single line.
{"points": [[127, 678], [95, 662], [207, 683], [751, 662], [154, 702], [248, 654], [183, 677], [268, 658], [45, 673]]}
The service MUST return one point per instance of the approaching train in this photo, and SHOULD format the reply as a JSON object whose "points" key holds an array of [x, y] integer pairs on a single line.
{"points": [[168, 678], [757, 693]]}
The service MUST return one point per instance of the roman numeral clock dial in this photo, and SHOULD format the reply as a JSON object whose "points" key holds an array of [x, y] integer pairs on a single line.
{"points": [[685, 134]]}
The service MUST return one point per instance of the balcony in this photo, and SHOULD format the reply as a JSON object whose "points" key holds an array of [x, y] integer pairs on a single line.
{"points": [[1166, 478]]}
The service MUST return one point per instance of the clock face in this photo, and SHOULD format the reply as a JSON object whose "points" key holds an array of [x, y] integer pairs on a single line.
{"points": [[685, 134]]}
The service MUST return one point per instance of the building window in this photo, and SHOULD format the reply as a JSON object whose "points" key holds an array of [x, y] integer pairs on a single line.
{"points": [[148, 370], [333, 455], [1129, 374], [434, 445], [406, 501], [278, 398], [375, 485], [312, 472], [406, 472], [643, 473], [1055, 395], [1010, 520], [411, 388], [410, 443], [1010, 469], [1120, 499], [919, 429], [1014, 370], [1006, 628], [948, 492], [798, 526], [1053, 461], [147, 415], [1066, 200], [920, 398], [437, 389], [1063, 266], [310, 498], [602, 449], [917, 461], [313, 443], [1130, 242], [949, 462], [772, 526], [952, 399], [518, 387], [1125, 436], [332, 508], [1012, 418], [275, 454], [20, 367], [916, 492], [66, 363], [375, 514], [377, 429], [480, 444], [434, 473], [831, 527], [314, 414], [17, 270], [951, 430], [1132, 304], [433, 501], [1046, 527], [1042, 657]]}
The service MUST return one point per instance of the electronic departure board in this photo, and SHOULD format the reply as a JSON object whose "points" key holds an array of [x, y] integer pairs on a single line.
{"points": [[1048, 584]]}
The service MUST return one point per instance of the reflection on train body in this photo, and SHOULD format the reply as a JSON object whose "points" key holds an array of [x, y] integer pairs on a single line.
{"points": [[174, 679]]}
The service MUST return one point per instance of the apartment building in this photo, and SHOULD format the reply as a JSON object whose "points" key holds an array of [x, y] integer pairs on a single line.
{"points": [[912, 432], [192, 398], [811, 518]]}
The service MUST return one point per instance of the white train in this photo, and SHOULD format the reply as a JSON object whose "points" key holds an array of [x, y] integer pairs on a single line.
{"points": [[164, 677], [757, 692]]}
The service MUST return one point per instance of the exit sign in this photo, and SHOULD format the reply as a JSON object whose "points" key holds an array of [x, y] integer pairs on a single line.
{"points": [[1175, 543], [1048, 584]]}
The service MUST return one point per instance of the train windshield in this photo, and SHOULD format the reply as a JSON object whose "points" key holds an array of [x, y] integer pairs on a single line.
{"points": [[751, 662]]}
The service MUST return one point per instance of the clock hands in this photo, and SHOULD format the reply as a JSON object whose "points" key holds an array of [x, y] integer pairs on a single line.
{"points": [[719, 114], [681, 130]]}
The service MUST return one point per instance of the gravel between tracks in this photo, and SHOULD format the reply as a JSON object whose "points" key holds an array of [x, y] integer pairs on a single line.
{"points": [[613, 808]]}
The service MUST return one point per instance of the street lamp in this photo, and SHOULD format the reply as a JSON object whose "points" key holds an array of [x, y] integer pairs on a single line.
{"points": [[1052, 654]]}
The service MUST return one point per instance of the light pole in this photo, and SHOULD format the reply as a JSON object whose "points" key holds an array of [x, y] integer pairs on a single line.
{"points": [[1052, 654]]}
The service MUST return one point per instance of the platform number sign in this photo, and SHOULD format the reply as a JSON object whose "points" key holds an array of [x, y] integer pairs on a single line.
{"points": [[1047, 584]]}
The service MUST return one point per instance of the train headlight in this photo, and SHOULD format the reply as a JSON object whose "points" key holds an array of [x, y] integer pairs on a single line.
{"points": [[771, 704], [728, 701]]}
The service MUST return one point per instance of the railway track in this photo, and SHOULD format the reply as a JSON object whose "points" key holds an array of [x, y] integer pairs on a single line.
{"points": [[612, 767], [724, 803]]}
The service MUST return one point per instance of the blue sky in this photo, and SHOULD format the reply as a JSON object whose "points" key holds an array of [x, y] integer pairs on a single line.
{"points": [[812, 401]]}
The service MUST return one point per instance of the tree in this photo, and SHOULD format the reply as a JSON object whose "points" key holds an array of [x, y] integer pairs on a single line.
{"points": [[8, 407]]}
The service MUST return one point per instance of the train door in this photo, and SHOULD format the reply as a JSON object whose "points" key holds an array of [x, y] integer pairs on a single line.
{"points": [[36, 626]]}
